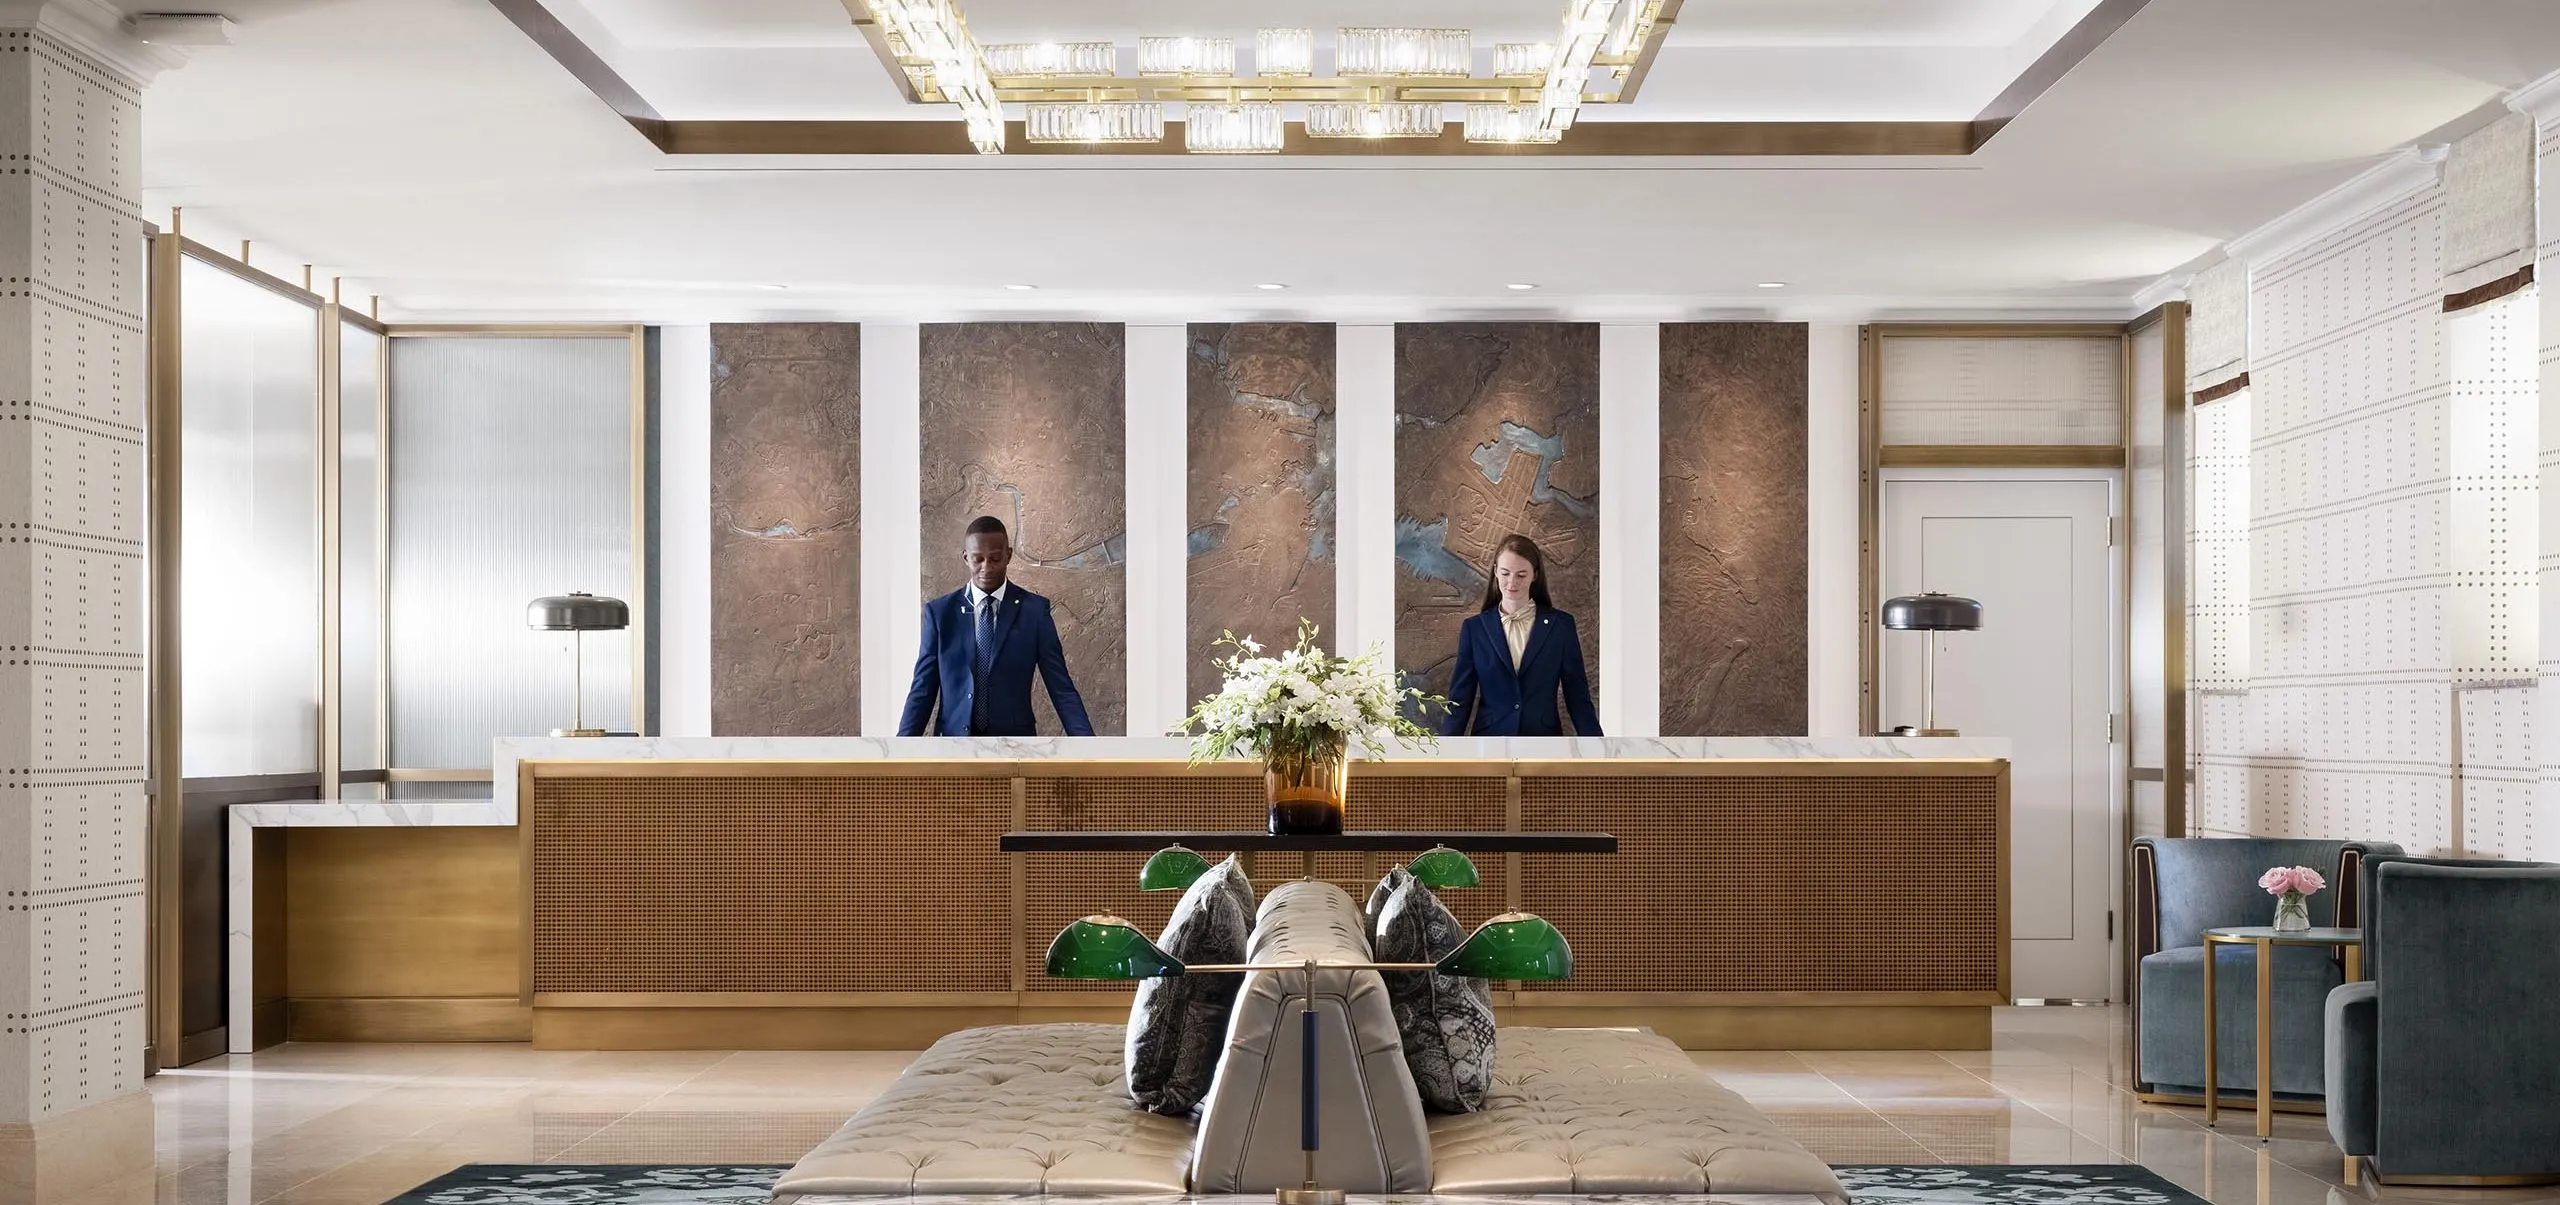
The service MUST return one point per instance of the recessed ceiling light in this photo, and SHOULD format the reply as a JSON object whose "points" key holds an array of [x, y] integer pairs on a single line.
{"points": [[773, 286], [1773, 284], [1523, 288], [1270, 286], [1022, 288]]}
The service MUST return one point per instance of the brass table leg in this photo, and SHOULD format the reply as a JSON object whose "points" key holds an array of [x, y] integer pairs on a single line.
{"points": [[2212, 1089], [2266, 1049]]}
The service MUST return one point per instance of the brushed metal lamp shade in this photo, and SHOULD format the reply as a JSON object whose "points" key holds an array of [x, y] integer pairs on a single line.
{"points": [[579, 613], [1931, 612]]}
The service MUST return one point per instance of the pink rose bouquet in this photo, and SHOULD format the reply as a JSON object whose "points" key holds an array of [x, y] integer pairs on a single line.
{"points": [[2291, 885]]}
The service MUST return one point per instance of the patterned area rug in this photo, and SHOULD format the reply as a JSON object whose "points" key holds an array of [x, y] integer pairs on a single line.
{"points": [[749, 1184]]}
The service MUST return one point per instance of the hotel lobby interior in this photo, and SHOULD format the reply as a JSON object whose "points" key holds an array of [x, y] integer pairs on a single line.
{"points": [[1783, 602]]}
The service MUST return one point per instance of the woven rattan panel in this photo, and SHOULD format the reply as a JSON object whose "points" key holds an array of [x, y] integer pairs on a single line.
{"points": [[1773, 884], [1057, 888], [769, 884]]}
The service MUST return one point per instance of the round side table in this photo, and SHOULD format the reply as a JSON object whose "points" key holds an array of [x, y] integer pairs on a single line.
{"points": [[2350, 944]]}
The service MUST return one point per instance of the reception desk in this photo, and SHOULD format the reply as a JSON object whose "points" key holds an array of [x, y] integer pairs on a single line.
{"points": [[671, 894]]}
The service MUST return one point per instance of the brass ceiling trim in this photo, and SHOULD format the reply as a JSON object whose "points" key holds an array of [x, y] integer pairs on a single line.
{"points": [[900, 136]]}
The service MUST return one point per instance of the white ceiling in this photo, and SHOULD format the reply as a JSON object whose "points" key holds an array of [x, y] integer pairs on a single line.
{"points": [[428, 151]]}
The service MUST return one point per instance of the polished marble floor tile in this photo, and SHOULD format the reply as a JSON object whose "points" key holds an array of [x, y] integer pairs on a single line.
{"points": [[356, 1125]]}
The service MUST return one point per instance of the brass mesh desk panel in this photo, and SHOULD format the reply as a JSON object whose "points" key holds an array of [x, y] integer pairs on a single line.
{"points": [[720, 904]]}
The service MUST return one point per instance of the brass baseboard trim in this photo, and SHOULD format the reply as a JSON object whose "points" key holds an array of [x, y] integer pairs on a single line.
{"points": [[408, 1019], [202, 1045], [2248, 1102], [270, 1023]]}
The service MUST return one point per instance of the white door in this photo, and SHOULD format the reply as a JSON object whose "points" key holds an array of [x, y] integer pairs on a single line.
{"points": [[2040, 673]]}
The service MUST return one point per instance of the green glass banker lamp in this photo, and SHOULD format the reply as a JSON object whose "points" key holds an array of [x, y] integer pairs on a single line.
{"points": [[1514, 945], [1174, 868]]}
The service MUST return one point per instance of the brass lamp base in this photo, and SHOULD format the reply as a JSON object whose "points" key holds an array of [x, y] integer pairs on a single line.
{"points": [[1908, 730], [1307, 1196], [577, 732]]}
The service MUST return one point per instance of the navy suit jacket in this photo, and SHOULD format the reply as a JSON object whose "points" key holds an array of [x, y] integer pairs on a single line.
{"points": [[1026, 639], [1501, 701]]}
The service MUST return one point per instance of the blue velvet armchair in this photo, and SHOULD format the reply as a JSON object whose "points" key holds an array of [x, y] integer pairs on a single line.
{"points": [[2184, 886], [2442, 1067]]}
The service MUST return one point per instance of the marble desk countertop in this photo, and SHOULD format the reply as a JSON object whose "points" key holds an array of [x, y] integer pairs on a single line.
{"points": [[507, 751]]}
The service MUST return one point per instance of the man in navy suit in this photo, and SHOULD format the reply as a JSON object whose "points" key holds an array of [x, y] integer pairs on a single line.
{"points": [[981, 643]]}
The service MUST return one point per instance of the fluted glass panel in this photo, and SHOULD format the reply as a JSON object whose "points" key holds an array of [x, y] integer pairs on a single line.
{"points": [[510, 480], [360, 566], [249, 585]]}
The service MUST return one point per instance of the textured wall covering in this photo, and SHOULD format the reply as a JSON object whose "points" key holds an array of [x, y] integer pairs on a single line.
{"points": [[1733, 529], [1026, 421], [786, 512], [1497, 431], [1261, 495], [2541, 838], [74, 491]]}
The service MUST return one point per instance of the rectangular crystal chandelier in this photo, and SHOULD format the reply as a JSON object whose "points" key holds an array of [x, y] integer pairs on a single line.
{"points": [[932, 30], [1094, 121], [1587, 24], [1186, 56], [1284, 53], [1374, 119], [1052, 59], [1518, 60], [1379, 51], [1515, 123], [1233, 128]]}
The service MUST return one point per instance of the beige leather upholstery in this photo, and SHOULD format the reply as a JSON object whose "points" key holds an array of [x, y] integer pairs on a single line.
{"points": [[1013, 1109], [1615, 1111], [1371, 1132]]}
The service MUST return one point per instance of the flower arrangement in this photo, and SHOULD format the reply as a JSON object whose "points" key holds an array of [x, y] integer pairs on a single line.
{"points": [[1304, 706], [2292, 886]]}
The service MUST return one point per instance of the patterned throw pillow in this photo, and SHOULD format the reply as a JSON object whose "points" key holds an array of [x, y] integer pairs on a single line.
{"points": [[1396, 876], [1179, 1025], [1446, 1020]]}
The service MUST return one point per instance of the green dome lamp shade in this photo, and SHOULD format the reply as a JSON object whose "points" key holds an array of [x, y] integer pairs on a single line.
{"points": [[1441, 866], [1171, 869], [1514, 945], [1107, 947]]}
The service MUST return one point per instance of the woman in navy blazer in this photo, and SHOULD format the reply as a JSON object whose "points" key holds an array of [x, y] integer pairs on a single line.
{"points": [[1503, 694]]}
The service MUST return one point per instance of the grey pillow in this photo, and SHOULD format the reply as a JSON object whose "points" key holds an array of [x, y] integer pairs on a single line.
{"points": [[1179, 1025], [1446, 1020], [1396, 876]]}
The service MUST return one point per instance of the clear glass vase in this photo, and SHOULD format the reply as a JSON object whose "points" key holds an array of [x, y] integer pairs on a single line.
{"points": [[1305, 784], [2293, 912]]}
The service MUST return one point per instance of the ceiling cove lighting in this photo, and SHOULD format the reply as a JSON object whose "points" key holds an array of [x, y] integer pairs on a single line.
{"points": [[1234, 128], [1050, 60], [1513, 123], [1369, 51], [1375, 119], [932, 43], [1180, 56], [1094, 121], [1284, 53]]}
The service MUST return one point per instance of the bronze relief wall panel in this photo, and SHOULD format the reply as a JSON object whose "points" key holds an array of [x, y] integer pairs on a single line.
{"points": [[1026, 421], [1734, 583], [1260, 500], [1497, 431], [786, 543]]}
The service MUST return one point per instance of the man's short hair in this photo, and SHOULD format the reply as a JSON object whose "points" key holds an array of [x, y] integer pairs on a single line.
{"points": [[987, 525]]}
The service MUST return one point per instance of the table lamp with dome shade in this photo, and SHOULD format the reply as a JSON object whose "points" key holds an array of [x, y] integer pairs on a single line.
{"points": [[1931, 613], [577, 613]]}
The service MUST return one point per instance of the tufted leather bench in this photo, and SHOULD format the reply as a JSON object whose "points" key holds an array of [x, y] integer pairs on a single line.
{"points": [[1013, 1109], [1615, 1111]]}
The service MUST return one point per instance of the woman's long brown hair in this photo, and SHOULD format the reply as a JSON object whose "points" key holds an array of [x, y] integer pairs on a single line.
{"points": [[1526, 549]]}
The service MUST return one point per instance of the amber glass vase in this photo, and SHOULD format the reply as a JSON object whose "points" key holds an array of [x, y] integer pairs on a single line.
{"points": [[1305, 783]]}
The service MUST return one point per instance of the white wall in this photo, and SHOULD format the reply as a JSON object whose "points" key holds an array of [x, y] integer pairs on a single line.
{"points": [[1157, 416]]}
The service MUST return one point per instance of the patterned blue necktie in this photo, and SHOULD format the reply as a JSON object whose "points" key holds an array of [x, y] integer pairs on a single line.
{"points": [[982, 660]]}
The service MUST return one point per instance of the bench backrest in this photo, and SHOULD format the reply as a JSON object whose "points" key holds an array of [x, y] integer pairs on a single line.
{"points": [[1371, 1130]]}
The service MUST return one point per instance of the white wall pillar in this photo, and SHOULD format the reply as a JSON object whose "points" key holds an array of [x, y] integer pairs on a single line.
{"points": [[1158, 567], [1631, 529], [1831, 536], [684, 531], [1364, 588], [892, 545]]}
